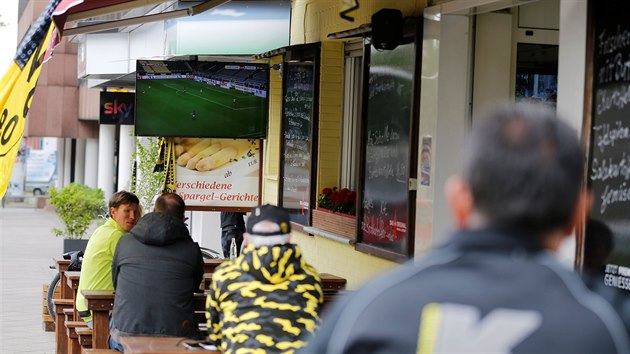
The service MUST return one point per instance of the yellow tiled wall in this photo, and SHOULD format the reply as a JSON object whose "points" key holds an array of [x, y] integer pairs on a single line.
{"points": [[341, 260], [271, 152], [311, 22], [330, 112]]}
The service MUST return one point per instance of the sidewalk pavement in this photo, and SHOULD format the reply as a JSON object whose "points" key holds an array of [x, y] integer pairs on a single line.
{"points": [[27, 249]]}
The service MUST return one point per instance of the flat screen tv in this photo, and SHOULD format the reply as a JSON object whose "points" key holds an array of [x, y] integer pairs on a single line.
{"points": [[201, 99]]}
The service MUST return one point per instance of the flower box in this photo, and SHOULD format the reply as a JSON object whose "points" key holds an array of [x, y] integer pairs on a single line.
{"points": [[341, 224]]}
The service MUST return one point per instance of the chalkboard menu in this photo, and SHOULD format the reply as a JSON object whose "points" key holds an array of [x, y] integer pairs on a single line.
{"points": [[384, 216], [609, 156], [298, 113]]}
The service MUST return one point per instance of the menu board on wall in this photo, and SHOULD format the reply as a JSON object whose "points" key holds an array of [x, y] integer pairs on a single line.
{"points": [[298, 113], [609, 155], [384, 215]]}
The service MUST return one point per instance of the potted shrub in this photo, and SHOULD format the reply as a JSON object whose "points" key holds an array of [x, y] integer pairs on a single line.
{"points": [[336, 209], [77, 205]]}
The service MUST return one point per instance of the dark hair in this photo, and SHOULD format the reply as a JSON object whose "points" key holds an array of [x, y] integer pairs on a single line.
{"points": [[171, 204], [524, 167], [598, 243], [122, 197]]}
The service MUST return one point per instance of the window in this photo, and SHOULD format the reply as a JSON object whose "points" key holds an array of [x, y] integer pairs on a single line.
{"points": [[537, 73], [351, 121]]}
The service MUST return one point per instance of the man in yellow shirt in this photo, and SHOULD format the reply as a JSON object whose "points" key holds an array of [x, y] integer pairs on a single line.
{"points": [[96, 269]]}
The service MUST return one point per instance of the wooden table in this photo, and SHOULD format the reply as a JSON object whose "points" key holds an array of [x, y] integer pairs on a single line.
{"points": [[62, 266], [209, 265], [100, 302], [162, 345], [72, 280], [331, 284], [61, 338]]}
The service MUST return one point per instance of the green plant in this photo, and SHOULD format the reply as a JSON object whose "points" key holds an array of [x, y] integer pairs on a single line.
{"points": [[342, 201], [146, 183], [76, 205]]}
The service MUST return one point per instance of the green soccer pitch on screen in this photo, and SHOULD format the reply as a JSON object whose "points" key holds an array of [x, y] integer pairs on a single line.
{"points": [[185, 98]]}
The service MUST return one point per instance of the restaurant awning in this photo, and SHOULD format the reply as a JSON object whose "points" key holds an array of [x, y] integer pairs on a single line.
{"points": [[78, 10]]}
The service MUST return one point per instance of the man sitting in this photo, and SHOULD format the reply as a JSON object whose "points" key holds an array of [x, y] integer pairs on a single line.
{"points": [[124, 211], [269, 297], [156, 269]]}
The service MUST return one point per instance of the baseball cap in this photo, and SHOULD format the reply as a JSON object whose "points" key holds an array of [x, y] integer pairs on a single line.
{"points": [[270, 213]]}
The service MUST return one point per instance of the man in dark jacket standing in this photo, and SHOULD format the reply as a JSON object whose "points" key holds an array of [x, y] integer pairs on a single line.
{"points": [[156, 269], [232, 227], [494, 287]]}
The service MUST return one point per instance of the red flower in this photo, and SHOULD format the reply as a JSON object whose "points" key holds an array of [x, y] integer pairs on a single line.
{"points": [[342, 201]]}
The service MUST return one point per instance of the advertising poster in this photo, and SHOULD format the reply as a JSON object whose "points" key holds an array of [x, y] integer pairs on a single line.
{"points": [[218, 173]]}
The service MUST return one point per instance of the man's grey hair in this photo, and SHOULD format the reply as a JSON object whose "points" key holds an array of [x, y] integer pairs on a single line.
{"points": [[266, 227], [524, 167]]}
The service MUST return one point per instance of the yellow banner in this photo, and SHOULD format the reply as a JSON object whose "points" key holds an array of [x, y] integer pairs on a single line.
{"points": [[16, 94], [348, 9]]}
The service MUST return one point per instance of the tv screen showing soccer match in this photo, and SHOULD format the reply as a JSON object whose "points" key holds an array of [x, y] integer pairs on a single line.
{"points": [[201, 99]]}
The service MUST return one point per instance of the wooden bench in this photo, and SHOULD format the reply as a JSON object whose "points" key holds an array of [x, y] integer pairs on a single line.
{"points": [[64, 302], [72, 281], [170, 345], [71, 315], [73, 339], [62, 266], [331, 286], [61, 338], [209, 265], [85, 337], [99, 351], [48, 324]]}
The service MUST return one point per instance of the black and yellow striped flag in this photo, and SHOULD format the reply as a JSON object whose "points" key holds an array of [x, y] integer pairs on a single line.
{"points": [[17, 89], [166, 162]]}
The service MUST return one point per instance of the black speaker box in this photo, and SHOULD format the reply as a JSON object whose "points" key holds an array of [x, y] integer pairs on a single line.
{"points": [[387, 28]]}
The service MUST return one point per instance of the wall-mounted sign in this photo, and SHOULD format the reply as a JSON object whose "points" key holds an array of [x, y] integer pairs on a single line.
{"points": [[215, 174], [116, 108], [297, 147], [607, 247], [386, 226]]}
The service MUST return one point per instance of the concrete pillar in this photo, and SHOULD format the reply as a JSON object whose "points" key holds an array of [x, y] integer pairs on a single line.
{"points": [[106, 171], [60, 163], [453, 116], [67, 160], [79, 163], [571, 49], [126, 148], [91, 163]]}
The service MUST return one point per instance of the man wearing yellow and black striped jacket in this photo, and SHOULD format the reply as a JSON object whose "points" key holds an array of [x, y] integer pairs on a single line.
{"points": [[269, 297]]}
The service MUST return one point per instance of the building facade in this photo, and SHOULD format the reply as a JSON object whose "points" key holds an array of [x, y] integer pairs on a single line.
{"points": [[385, 101]]}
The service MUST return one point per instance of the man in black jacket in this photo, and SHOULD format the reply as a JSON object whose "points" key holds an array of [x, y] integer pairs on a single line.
{"points": [[232, 227], [156, 269], [494, 287]]}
